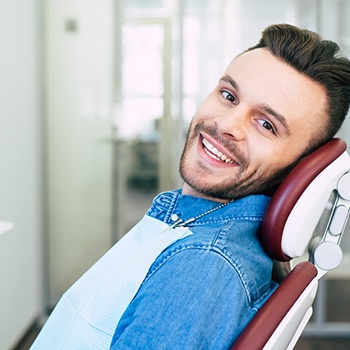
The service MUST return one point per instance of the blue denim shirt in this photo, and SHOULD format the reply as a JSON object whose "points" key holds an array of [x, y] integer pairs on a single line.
{"points": [[203, 290]]}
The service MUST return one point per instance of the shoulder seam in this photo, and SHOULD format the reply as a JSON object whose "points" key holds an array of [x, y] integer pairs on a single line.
{"points": [[205, 247]]}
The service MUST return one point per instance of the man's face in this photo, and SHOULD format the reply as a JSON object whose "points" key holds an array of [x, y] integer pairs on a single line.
{"points": [[256, 123]]}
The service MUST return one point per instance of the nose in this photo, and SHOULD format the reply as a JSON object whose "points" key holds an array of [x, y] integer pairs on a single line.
{"points": [[233, 124]]}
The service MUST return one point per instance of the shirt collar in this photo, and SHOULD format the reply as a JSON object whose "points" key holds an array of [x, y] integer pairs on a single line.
{"points": [[186, 207]]}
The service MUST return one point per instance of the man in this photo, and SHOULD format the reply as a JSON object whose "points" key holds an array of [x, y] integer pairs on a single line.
{"points": [[192, 273]]}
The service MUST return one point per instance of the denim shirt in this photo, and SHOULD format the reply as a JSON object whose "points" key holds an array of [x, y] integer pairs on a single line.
{"points": [[203, 290]]}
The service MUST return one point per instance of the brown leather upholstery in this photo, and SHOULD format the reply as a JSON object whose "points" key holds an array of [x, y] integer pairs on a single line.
{"points": [[260, 329], [290, 191]]}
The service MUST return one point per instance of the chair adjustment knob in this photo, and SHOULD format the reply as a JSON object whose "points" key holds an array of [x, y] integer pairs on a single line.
{"points": [[327, 255], [343, 186]]}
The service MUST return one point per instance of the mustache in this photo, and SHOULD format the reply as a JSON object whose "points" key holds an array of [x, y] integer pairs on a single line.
{"points": [[231, 146]]}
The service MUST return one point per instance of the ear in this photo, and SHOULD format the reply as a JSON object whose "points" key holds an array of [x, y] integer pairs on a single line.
{"points": [[299, 201]]}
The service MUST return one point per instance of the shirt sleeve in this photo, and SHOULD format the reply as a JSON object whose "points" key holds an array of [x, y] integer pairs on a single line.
{"points": [[195, 299]]}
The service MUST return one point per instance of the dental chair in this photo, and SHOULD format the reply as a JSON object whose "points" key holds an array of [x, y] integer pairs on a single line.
{"points": [[307, 213]]}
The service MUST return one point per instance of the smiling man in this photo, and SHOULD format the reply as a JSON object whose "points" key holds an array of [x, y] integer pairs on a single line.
{"points": [[257, 122], [192, 273]]}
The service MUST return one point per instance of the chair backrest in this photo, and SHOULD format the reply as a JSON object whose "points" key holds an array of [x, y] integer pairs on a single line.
{"points": [[288, 230]]}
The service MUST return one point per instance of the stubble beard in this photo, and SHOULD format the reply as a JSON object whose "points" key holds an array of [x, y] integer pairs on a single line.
{"points": [[240, 184]]}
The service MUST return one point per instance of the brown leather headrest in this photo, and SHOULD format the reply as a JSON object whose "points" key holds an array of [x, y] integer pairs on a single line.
{"points": [[289, 192]]}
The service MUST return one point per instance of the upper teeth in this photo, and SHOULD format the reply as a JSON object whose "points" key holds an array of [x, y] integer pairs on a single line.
{"points": [[218, 155]]}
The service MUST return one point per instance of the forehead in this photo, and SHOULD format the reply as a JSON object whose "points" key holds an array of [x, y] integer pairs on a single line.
{"points": [[262, 78]]}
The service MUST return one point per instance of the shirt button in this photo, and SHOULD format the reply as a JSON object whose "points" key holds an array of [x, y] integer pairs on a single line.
{"points": [[174, 217]]}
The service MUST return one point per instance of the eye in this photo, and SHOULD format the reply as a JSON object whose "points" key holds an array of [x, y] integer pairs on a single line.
{"points": [[266, 125], [228, 96]]}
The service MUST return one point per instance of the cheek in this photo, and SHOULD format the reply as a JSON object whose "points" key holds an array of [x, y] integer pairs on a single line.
{"points": [[265, 156], [203, 113], [207, 109], [276, 158]]}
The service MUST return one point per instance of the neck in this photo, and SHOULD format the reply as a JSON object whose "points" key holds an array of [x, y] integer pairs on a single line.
{"points": [[189, 191]]}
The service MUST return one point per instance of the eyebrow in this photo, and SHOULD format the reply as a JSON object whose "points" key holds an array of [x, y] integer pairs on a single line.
{"points": [[280, 118], [226, 78]]}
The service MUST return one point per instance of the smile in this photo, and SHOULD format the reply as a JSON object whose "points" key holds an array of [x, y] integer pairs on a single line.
{"points": [[214, 153]]}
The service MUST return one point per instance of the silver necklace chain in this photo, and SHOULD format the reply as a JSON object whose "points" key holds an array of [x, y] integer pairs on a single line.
{"points": [[180, 222]]}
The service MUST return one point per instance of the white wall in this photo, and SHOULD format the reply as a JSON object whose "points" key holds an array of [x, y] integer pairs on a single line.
{"points": [[20, 157], [78, 90]]}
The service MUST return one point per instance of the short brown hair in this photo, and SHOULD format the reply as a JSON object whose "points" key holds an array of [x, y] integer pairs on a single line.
{"points": [[318, 59]]}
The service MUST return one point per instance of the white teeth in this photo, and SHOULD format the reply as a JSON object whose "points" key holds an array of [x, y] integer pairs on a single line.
{"points": [[218, 155]]}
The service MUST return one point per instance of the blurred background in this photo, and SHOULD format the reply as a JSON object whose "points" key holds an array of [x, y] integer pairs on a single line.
{"points": [[96, 98]]}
